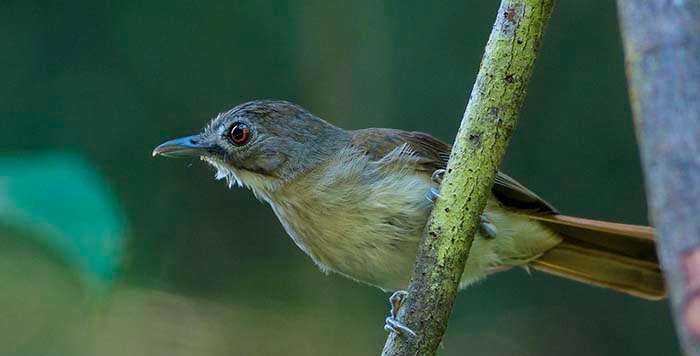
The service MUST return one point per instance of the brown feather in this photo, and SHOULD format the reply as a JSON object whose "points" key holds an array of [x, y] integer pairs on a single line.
{"points": [[629, 240], [433, 154], [616, 256]]}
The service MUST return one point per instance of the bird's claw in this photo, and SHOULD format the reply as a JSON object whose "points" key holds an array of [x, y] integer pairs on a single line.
{"points": [[432, 194], [392, 324], [437, 176]]}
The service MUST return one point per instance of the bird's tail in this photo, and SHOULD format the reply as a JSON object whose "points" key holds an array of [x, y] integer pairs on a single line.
{"points": [[616, 256]]}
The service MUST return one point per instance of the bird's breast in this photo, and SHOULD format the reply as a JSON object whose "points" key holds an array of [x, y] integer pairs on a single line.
{"points": [[357, 220]]}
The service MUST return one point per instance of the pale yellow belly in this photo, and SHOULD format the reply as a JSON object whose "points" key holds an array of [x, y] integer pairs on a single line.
{"points": [[373, 238]]}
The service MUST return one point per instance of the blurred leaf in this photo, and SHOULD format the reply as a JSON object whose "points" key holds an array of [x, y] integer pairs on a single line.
{"points": [[61, 201]]}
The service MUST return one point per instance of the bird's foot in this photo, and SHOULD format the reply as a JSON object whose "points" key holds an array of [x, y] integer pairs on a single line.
{"points": [[392, 324], [434, 192], [487, 228], [437, 176]]}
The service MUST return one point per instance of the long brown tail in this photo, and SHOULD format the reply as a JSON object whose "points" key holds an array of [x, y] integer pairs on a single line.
{"points": [[616, 256]]}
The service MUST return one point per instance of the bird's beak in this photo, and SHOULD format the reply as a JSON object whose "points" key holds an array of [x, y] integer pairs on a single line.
{"points": [[190, 146]]}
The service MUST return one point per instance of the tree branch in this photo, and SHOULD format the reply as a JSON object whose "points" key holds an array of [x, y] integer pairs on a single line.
{"points": [[662, 52], [487, 124]]}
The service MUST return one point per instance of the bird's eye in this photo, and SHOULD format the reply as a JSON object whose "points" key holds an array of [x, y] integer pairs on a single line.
{"points": [[239, 134]]}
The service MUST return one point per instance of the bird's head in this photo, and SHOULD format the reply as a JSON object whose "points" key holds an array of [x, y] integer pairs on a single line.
{"points": [[260, 144]]}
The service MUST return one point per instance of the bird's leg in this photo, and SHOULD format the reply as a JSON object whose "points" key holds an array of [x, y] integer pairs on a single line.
{"points": [[486, 228], [392, 324]]}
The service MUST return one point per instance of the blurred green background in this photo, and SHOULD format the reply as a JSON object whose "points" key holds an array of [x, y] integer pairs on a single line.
{"points": [[106, 251]]}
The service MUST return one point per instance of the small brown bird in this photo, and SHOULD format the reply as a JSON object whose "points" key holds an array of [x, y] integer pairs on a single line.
{"points": [[355, 202]]}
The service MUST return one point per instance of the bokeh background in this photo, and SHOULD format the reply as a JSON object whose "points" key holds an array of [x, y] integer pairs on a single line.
{"points": [[106, 251]]}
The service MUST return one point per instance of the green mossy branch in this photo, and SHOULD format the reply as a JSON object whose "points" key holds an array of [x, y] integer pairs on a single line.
{"points": [[488, 122]]}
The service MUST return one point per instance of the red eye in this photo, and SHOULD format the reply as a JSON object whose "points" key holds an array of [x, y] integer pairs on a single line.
{"points": [[239, 134]]}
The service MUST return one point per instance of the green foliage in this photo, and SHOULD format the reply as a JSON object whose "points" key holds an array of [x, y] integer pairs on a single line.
{"points": [[60, 201]]}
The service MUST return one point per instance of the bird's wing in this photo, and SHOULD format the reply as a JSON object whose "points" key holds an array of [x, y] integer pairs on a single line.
{"points": [[427, 154], [514, 195]]}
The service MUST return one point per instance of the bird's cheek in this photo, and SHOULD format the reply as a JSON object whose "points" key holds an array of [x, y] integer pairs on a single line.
{"points": [[269, 164]]}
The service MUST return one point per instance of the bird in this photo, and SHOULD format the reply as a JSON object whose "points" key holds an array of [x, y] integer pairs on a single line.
{"points": [[357, 203]]}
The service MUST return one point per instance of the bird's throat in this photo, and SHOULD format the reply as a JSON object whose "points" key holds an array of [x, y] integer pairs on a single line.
{"points": [[261, 185]]}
